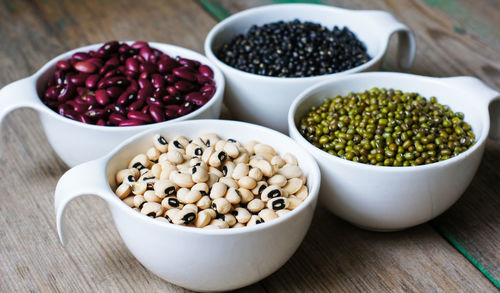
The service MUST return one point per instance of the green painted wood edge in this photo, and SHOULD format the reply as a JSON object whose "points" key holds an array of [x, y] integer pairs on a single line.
{"points": [[445, 234], [220, 13]]}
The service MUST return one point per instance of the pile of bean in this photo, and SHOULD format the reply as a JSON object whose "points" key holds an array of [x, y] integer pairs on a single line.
{"points": [[294, 49], [212, 183], [122, 85], [387, 128]]}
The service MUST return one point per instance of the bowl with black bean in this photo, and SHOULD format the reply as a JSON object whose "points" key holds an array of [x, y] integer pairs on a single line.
{"points": [[209, 205], [395, 150], [270, 54], [92, 98]]}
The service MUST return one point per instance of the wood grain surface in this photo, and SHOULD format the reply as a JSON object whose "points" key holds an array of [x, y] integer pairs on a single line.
{"points": [[335, 256]]}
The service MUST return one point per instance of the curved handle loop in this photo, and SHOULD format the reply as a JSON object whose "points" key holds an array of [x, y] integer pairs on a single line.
{"points": [[406, 39], [84, 179], [18, 94], [487, 96]]}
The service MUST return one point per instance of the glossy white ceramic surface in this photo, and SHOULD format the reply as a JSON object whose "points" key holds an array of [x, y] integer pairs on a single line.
{"points": [[265, 100], [393, 198], [194, 258], [76, 142]]}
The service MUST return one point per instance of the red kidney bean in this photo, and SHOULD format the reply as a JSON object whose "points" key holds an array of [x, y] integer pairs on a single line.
{"points": [[116, 118], [60, 77], [145, 52], [85, 66], [159, 93], [206, 71], [196, 98], [80, 108], [208, 94], [172, 91], [63, 65], [126, 98], [101, 122], [102, 97], [111, 46], [136, 115], [145, 109], [96, 61], [111, 73], [185, 109], [170, 78], [106, 68], [136, 106], [157, 80], [144, 83], [184, 73], [131, 122], [188, 62], [201, 79], [207, 88], [52, 93], [139, 45], [152, 101], [78, 79], [183, 86], [144, 75], [79, 100], [85, 119], [167, 100], [114, 91], [91, 81], [71, 115], [157, 113], [80, 56], [95, 113], [67, 92], [166, 64], [132, 64], [118, 81], [147, 67], [90, 99], [144, 93], [134, 86], [124, 48], [114, 61]]}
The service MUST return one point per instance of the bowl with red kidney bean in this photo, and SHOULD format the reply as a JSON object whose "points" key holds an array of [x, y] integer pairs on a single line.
{"points": [[232, 162], [91, 98]]}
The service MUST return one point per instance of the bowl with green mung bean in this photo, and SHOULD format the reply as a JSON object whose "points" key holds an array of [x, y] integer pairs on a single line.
{"points": [[395, 150]]}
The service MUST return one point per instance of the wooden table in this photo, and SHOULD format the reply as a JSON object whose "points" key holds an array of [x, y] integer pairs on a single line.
{"points": [[459, 251]]}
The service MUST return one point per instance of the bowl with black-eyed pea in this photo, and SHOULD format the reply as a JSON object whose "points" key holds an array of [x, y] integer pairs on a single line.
{"points": [[231, 199]]}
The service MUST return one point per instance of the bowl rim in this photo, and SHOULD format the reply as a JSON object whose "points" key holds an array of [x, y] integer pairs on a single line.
{"points": [[317, 152], [177, 50], [215, 31], [313, 179]]}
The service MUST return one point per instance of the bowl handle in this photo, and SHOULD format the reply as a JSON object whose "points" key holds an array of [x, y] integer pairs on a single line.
{"points": [[406, 38], [18, 94], [486, 96], [84, 179]]}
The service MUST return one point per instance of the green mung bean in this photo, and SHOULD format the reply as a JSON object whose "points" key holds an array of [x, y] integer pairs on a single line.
{"points": [[387, 128]]}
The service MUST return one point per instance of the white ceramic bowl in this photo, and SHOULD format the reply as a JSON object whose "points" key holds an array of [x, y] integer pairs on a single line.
{"points": [[76, 142], [194, 258], [393, 198], [265, 100]]}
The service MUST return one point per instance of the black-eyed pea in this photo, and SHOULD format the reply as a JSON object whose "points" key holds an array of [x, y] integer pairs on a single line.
{"points": [[150, 195], [219, 223], [156, 170], [129, 200], [179, 143], [249, 146], [228, 168], [197, 162], [264, 156], [163, 158], [231, 149], [172, 216], [215, 171], [212, 179], [246, 195], [186, 196], [199, 174], [190, 150], [122, 174], [266, 168], [228, 218], [181, 179], [278, 180], [271, 191], [261, 148], [130, 179], [171, 202], [219, 146], [294, 202], [160, 143], [152, 209], [218, 190], [201, 187], [278, 203], [123, 190], [290, 171], [202, 219], [277, 162], [256, 205], [162, 219], [211, 227], [302, 193], [204, 202], [174, 156], [163, 188], [242, 158], [233, 195], [290, 159], [148, 177], [293, 185], [267, 215], [167, 170], [199, 142], [210, 139], [221, 205], [153, 154], [139, 201], [207, 153], [256, 174], [139, 187], [139, 162], [261, 185], [184, 167], [240, 171], [242, 215], [190, 206], [281, 213], [238, 225], [254, 220], [229, 182], [304, 179], [247, 182], [217, 159], [212, 212]]}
